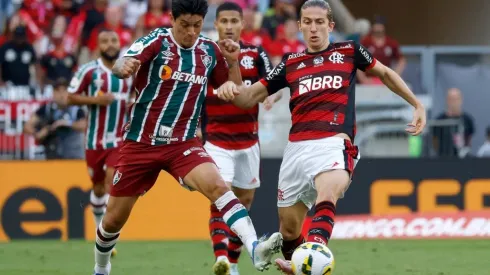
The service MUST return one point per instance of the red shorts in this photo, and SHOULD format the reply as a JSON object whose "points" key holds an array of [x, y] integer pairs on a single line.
{"points": [[97, 161], [139, 164]]}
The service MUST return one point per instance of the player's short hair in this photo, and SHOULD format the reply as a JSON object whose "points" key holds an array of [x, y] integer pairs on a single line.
{"points": [[197, 7], [229, 6], [317, 3]]}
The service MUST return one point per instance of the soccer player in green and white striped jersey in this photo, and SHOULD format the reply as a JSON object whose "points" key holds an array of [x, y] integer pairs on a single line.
{"points": [[173, 68], [106, 96]]}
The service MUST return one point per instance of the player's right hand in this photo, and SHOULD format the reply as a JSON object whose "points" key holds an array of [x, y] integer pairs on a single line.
{"points": [[105, 99], [129, 67], [228, 91]]}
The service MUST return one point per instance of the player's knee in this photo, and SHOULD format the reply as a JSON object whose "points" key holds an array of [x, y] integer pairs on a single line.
{"points": [[111, 223], [218, 189], [290, 229], [99, 189]]}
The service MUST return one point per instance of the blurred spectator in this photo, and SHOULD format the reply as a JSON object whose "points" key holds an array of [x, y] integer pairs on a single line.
{"points": [[208, 25], [157, 16], [59, 127], [288, 41], [383, 48], [113, 21], [449, 141], [40, 11], [484, 151], [283, 9], [57, 63], [250, 4], [94, 16], [16, 58], [133, 10], [361, 29], [252, 35]]}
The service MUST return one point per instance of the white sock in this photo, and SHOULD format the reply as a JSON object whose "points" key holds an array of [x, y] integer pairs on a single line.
{"points": [[104, 243], [99, 205], [236, 217]]}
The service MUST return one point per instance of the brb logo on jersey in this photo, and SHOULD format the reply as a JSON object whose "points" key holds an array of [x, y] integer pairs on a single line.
{"points": [[320, 83], [247, 62]]}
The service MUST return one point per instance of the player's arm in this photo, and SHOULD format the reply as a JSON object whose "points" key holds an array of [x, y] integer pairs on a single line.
{"points": [[227, 54], [247, 97], [365, 62], [77, 90], [141, 51], [264, 66]]}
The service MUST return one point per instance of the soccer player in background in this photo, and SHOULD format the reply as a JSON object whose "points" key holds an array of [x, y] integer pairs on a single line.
{"points": [[106, 97], [173, 68], [232, 136], [320, 156]]}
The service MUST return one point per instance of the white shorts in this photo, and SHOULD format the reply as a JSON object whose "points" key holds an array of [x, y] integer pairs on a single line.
{"points": [[240, 167], [304, 160]]}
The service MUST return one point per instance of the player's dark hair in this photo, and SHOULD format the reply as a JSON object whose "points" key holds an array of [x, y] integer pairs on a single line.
{"points": [[320, 4], [488, 132], [229, 6], [193, 7]]}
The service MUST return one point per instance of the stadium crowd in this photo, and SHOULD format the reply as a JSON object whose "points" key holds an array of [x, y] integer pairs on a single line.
{"points": [[43, 41]]}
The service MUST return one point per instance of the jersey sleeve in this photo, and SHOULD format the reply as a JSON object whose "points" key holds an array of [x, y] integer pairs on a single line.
{"points": [[264, 63], [80, 82], [276, 79], [219, 75], [363, 59], [146, 48]]}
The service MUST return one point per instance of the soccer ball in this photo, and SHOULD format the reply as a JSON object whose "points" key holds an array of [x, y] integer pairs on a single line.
{"points": [[312, 259]]}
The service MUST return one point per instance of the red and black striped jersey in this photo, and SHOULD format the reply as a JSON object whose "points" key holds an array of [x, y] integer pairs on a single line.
{"points": [[226, 125], [322, 87]]}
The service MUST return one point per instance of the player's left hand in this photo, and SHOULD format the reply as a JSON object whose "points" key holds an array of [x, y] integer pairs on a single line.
{"points": [[230, 49], [417, 125], [228, 91]]}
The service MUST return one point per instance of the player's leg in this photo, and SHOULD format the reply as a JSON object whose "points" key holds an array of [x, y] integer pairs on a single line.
{"points": [[110, 163], [98, 195], [330, 187], [331, 182], [295, 196], [135, 174], [247, 180], [200, 173], [218, 229]]}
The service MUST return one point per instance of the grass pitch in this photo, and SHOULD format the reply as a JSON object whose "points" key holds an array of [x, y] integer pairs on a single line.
{"points": [[434, 257]]}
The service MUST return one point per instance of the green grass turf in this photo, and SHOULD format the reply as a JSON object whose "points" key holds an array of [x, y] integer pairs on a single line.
{"points": [[438, 257]]}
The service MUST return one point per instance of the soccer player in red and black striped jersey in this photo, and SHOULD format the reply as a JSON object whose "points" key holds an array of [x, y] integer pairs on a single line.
{"points": [[107, 97], [231, 135], [173, 68], [320, 157]]}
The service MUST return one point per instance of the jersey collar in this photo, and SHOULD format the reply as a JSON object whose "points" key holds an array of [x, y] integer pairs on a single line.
{"points": [[330, 47], [177, 44]]}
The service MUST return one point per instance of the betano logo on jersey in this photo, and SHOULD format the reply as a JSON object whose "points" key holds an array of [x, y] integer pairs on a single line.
{"points": [[320, 83], [166, 73]]}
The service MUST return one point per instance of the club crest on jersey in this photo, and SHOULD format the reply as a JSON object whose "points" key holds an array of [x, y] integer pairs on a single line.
{"points": [[117, 177], [99, 82], [247, 62], [336, 58], [206, 60]]}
